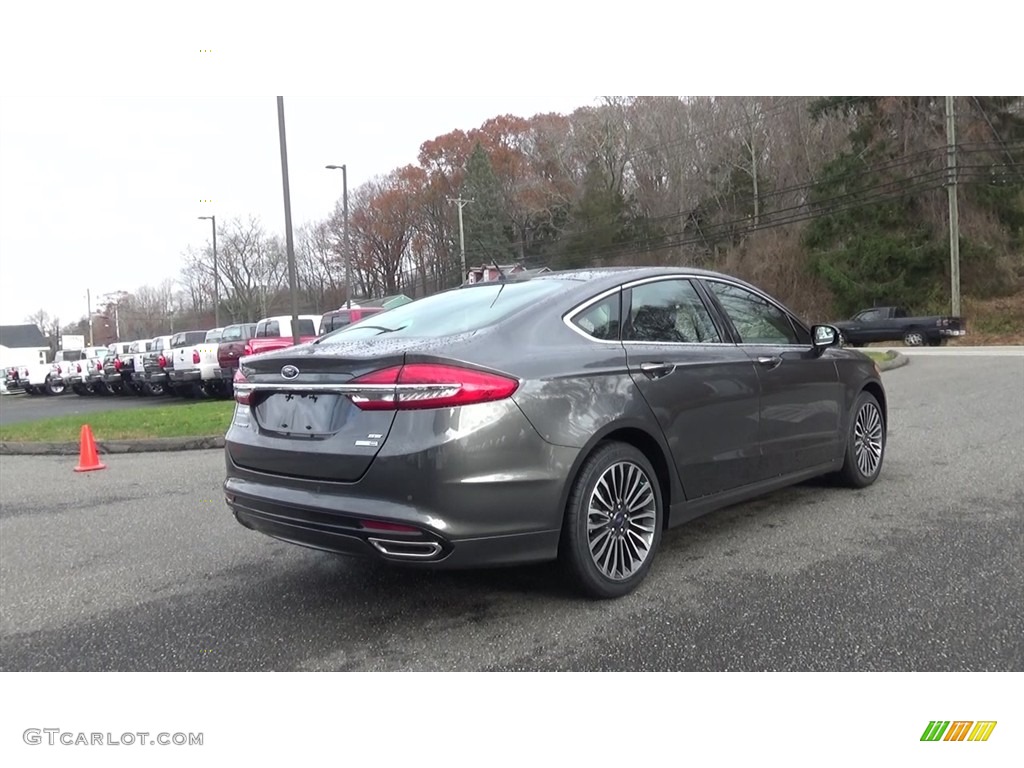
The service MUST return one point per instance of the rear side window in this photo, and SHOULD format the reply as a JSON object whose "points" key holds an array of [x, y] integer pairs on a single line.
{"points": [[600, 320], [459, 310], [306, 327], [669, 311]]}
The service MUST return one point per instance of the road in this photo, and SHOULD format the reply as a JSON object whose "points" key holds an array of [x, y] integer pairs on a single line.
{"points": [[19, 407], [146, 570]]}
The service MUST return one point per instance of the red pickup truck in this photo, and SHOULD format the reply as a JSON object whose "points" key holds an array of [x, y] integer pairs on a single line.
{"points": [[276, 333], [232, 347]]}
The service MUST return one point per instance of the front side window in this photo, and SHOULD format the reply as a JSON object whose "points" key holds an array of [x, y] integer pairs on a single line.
{"points": [[669, 311], [755, 319], [869, 316]]}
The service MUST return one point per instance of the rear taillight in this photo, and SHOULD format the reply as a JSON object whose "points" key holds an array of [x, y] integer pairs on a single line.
{"points": [[195, 356], [422, 385], [161, 361], [99, 365], [243, 390], [78, 367], [117, 364], [248, 349], [58, 370]]}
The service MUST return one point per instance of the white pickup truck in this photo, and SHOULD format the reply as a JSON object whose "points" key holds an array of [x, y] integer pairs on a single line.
{"points": [[76, 367], [40, 379], [195, 368]]}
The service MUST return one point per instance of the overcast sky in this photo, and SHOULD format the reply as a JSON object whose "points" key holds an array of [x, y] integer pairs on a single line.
{"points": [[101, 192]]}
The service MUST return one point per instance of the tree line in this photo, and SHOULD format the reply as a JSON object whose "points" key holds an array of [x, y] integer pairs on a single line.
{"points": [[831, 203]]}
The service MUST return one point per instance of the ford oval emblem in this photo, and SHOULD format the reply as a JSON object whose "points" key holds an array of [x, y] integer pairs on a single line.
{"points": [[289, 372]]}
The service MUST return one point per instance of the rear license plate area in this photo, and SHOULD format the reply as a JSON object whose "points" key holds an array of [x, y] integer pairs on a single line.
{"points": [[301, 415]]}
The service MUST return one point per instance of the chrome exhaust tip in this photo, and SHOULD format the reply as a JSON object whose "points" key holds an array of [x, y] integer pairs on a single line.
{"points": [[407, 550]]}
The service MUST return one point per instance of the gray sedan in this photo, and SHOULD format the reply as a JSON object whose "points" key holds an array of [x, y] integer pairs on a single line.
{"points": [[573, 415]]}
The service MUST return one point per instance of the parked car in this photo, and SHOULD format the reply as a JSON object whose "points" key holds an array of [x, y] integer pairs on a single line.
{"points": [[276, 333], [77, 366], [570, 415], [155, 363], [193, 373], [339, 318], [114, 365], [41, 379], [230, 350], [895, 324]]}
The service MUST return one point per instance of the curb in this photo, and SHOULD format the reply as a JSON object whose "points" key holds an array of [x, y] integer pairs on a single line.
{"points": [[152, 445], [897, 362]]}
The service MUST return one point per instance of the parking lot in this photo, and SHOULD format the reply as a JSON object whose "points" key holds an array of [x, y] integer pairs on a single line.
{"points": [[141, 567]]}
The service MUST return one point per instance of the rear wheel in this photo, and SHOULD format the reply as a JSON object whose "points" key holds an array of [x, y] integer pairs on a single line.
{"points": [[913, 338], [613, 521], [865, 443], [54, 386]]}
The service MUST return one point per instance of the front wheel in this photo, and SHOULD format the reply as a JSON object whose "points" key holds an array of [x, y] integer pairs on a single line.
{"points": [[865, 443], [613, 521]]}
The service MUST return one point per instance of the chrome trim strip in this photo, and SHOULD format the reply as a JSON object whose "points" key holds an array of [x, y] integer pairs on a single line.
{"points": [[342, 389]]}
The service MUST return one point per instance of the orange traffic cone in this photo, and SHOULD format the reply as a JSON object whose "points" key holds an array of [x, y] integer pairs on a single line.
{"points": [[88, 459]]}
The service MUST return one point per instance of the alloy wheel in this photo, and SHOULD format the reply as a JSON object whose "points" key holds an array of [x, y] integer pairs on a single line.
{"points": [[867, 439], [621, 519]]}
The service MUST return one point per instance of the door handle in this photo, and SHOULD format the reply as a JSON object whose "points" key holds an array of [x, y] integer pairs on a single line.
{"points": [[657, 370], [770, 362]]}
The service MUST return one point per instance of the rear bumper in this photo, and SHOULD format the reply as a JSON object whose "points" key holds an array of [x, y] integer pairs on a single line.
{"points": [[952, 332], [478, 482], [154, 377], [342, 534], [12, 385], [183, 377]]}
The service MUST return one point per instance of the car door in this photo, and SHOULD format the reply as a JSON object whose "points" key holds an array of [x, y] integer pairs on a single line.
{"points": [[701, 387], [801, 394]]}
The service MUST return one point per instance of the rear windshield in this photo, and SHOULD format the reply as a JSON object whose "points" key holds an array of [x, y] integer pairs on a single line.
{"points": [[452, 312]]}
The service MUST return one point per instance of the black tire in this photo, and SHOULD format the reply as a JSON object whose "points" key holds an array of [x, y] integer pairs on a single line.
{"points": [[80, 389], [853, 473], [30, 390], [621, 535], [914, 338], [54, 386], [154, 389]]}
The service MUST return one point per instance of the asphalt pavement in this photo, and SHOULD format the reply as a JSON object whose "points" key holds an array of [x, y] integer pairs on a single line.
{"points": [[141, 567]]}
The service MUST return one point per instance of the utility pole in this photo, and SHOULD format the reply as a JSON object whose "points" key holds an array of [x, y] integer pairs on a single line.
{"points": [[288, 221], [88, 300], [216, 274], [348, 249], [462, 238], [954, 213]]}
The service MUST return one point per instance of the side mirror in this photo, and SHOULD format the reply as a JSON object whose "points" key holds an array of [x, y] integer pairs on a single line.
{"points": [[824, 336]]}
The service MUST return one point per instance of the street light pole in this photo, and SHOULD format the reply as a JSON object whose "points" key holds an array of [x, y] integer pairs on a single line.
{"points": [[216, 279], [88, 300], [348, 248], [288, 220]]}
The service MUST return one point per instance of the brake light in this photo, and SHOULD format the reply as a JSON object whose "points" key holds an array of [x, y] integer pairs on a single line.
{"points": [[243, 391], [117, 364], [78, 367], [99, 365], [248, 349], [423, 385], [161, 361], [195, 356]]}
